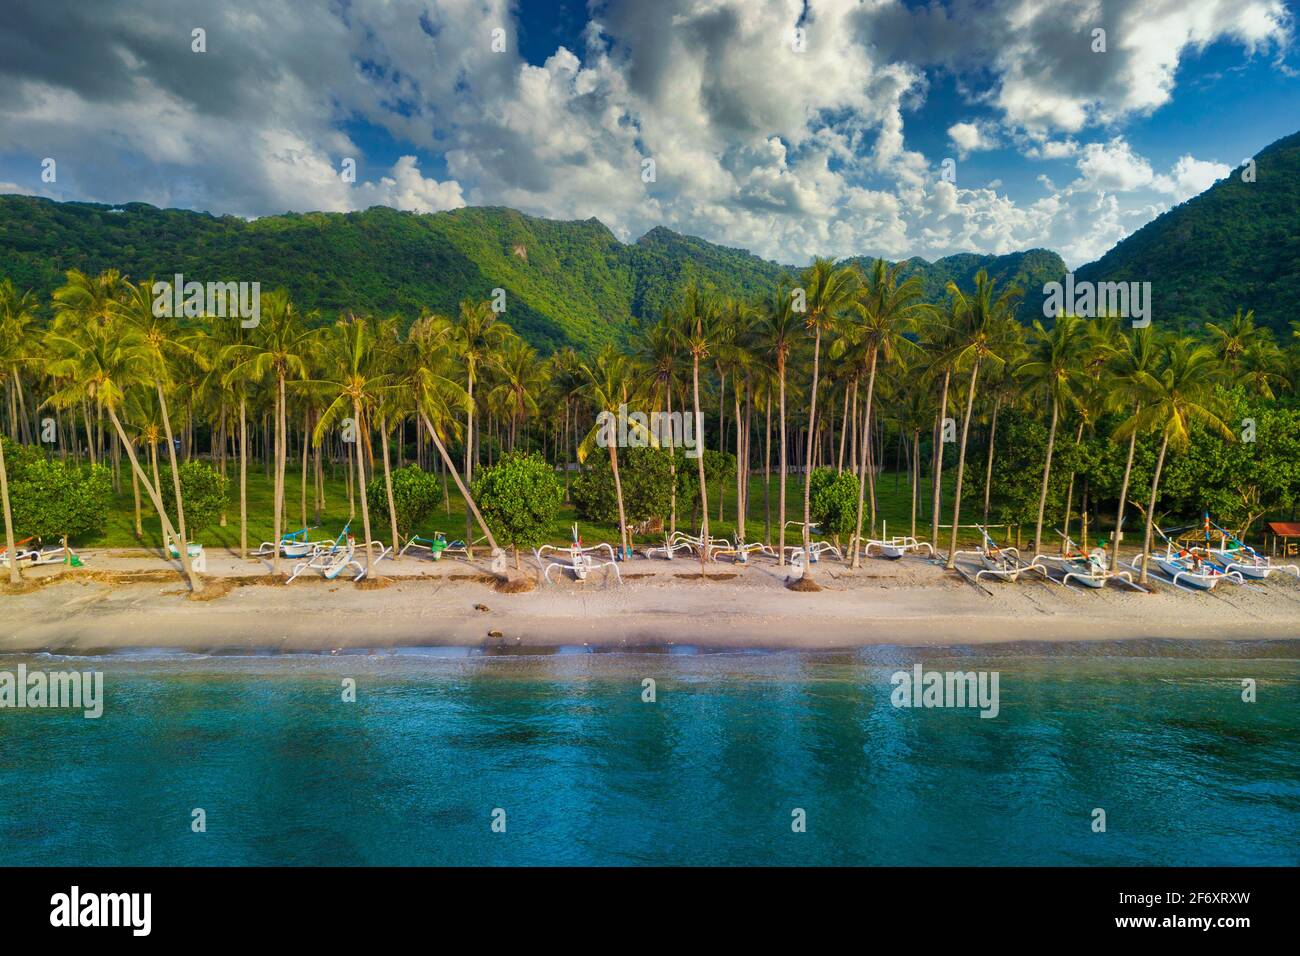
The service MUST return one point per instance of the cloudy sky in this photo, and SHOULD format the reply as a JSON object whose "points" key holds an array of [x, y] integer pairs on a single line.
{"points": [[786, 127]]}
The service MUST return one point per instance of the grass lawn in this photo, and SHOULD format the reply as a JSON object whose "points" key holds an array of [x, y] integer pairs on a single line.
{"points": [[893, 494]]}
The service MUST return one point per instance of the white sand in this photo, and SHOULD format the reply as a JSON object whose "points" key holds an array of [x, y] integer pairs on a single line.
{"points": [[905, 602]]}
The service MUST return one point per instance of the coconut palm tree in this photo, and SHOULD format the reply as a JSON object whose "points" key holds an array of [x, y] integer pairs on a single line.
{"points": [[353, 371], [609, 388], [1184, 390], [17, 345], [475, 336], [829, 291], [777, 332], [1136, 356], [877, 325], [278, 349], [983, 321], [163, 344], [699, 315], [1057, 369], [519, 380], [1234, 338], [438, 399], [99, 360]]}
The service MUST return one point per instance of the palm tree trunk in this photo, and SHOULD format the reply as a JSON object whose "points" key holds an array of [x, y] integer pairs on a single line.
{"points": [[767, 469], [135, 492], [961, 467], [451, 469], [388, 484], [15, 575], [361, 480], [1123, 496], [988, 469], [855, 541], [807, 472], [699, 461], [183, 546], [243, 479], [278, 504], [780, 371], [624, 539], [938, 461], [169, 533], [1047, 472], [1069, 499], [1151, 509], [740, 465], [469, 456], [672, 465], [306, 431], [916, 475]]}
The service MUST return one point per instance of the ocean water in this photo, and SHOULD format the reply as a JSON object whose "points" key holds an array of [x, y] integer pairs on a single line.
{"points": [[712, 772]]}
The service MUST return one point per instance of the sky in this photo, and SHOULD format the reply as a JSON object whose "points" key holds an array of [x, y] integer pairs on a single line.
{"points": [[791, 128]]}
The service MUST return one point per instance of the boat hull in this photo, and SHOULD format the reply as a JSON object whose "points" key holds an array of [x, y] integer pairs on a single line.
{"points": [[1180, 575]]}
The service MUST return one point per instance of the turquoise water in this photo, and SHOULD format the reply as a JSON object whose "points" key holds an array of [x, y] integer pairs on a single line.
{"points": [[709, 773]]}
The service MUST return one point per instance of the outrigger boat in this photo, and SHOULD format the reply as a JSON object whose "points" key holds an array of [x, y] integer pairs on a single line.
{"points": [[1188, 568], [998, 562], [1233, 554], [894, 548], [1089, 568], [581, 560]]}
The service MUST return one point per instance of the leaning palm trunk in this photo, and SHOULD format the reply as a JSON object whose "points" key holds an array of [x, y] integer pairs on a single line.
{"points": [[169, 533], [15, 575], [451, 469], [916, 475], [1047, 472], [961, 468], [807, 465], [938, 462], [624, 539], [1069, 501], [183, 545], [856, 543], [1123, 497], [1151, 510]]}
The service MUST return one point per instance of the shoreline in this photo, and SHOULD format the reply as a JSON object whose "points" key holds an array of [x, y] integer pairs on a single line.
{"points": [[125, 602]]}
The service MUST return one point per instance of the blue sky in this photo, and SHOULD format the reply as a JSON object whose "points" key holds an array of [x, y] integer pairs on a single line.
{"points": [[830, 142]]}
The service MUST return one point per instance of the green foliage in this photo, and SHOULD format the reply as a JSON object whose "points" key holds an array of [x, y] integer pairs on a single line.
{"points": [[54, 499], [416, 493], [204, 491], [834, 501], [520, 498], [1237, 245], [646, 476]]}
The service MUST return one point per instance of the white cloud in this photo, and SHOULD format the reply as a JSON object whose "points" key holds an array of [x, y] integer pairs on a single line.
{"points": [[971, 138], [1191, 176]]}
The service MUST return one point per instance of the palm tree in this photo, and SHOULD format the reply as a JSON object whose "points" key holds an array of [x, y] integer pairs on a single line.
{"points": [[1136, 356], [99, 360], [659, 353], [279, 348], [1057, 370], [778, 330], [352, 370], [881, 318], [17, 319], [983, 321], [1184, 391], [519, 381], [1232, 340], [609, 386], [829, 292], [475, 335], [438, 397], [699, 314], [162, 342]]}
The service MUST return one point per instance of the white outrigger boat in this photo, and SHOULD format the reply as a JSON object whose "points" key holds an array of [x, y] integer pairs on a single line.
{"points": [[894, 548], [580, 560], [1089, 568], [1233, 554], [1001, 563], [1187, 568]]}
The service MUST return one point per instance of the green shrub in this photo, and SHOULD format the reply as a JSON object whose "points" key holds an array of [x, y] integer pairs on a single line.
{"points": [[520, 500], [416, 493], [204, 491]]}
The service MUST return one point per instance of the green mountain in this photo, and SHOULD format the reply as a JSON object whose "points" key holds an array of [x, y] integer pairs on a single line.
{"points": [[1029, 270], [1236, 245], [567, 283]]}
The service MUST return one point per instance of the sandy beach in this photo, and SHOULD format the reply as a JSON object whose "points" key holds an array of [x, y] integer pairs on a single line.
{"points": [[133, 600]]}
